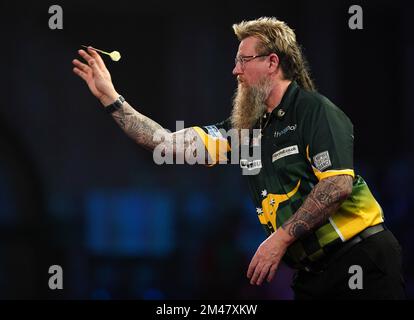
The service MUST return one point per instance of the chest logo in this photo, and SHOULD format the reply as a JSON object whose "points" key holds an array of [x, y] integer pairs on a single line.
{"points": [[285, 152], [277, 134]]}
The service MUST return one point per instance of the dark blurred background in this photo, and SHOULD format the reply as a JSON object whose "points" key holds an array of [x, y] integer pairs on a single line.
{"points": [[76, 192]]}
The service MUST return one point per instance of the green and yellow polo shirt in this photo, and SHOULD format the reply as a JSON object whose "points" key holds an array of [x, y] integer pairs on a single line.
{"points": [[306, 139]]}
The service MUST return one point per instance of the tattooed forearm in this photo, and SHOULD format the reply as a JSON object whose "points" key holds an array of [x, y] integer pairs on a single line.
{"points": [[142, 130], [137, 126], [325, 198]]}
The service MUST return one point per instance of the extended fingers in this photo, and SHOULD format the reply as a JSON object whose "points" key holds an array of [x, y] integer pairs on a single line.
{"points": [[80, 73], [85, 68], [81, 69], [97, 57], [90, 60]]}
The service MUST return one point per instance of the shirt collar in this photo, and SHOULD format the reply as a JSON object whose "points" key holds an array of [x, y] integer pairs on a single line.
{"points": [[284, 104], [286, 99]]}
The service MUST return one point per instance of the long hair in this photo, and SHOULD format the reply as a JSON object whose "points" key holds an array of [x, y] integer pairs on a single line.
{"points": [[277, 37]]}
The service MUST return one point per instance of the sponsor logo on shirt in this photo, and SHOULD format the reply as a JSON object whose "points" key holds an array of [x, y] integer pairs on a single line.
{"points": [[214, 131], [322, 160], [285, 130], [285, 152], [250, 165]]}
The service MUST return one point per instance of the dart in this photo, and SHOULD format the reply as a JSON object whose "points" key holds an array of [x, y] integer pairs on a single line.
{"points": [[115, 55]]}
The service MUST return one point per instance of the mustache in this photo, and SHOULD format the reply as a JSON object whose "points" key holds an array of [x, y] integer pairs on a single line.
{"points": [[240, 80]]}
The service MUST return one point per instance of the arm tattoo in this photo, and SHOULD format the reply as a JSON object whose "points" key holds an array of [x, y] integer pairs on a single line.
{"points": [[141, 129], [137, 126], [324, 200]]}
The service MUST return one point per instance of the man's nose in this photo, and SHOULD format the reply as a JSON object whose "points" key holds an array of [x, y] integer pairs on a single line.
{"points": [[237, 69]]}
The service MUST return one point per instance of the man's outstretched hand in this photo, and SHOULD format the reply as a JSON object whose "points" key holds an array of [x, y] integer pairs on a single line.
{"points": [[96, 76]]}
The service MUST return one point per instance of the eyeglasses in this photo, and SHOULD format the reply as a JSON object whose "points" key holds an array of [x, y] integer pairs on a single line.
{"points": [[244, 59]]}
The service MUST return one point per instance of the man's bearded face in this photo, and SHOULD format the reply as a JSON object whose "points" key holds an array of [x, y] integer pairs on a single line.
{"points": [[249, 103]]}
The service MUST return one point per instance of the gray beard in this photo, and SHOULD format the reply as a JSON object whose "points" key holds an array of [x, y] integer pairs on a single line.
{"points": [[249, 104]]}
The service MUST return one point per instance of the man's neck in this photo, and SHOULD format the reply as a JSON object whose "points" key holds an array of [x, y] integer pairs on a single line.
{"points": [[276, 94]]}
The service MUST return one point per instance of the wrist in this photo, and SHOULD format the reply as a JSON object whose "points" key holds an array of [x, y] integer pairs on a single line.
{"points": [[116, 105], [108, 99], [284, 236]]}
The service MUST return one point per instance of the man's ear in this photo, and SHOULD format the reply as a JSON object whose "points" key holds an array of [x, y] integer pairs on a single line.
{"points": [[274, 62]]}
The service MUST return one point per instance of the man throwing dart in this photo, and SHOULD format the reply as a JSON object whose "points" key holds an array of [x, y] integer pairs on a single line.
{"points": [[319, 215]]}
